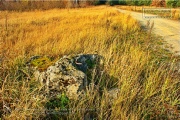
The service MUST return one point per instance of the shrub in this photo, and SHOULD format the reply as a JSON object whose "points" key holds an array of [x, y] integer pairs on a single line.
{"points": [[172, 3], [159, 3], [178, 4]]}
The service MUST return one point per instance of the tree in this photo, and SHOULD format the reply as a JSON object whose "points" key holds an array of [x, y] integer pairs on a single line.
{"points": [[122, 2], [172, 3], [135, 2], [145, 2], [159, 3], [178, 4], [112, 2]]}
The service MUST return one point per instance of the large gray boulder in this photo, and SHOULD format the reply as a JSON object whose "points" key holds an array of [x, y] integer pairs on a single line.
{"points": [[67, 75]]}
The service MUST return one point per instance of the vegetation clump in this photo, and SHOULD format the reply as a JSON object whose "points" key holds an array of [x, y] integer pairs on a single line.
{"points": [[61, 101]]}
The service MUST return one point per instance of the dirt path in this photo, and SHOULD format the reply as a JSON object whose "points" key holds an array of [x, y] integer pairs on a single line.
{"points": [[168, 29]]}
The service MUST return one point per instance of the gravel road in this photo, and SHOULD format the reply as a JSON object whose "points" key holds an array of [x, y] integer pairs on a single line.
{"points": [[168, 29]]}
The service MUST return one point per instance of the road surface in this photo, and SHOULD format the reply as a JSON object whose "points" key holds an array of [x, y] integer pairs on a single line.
{"points": [[168, 29]]}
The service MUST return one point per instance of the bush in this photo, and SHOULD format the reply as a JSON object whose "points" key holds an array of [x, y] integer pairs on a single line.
{"points": [[159, 3], [178, 4], [112, 2], [122, 2], [173, 3], [135, 2], [146, 2]]}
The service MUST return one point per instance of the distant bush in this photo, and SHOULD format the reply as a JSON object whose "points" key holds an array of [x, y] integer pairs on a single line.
{"points": [[173, 3], [159, 3], [144, 2], [178, 4], [112, 2], [122, 2], [135, 2], [128, 2]]}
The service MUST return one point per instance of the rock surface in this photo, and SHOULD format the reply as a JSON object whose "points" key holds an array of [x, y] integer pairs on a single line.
{"points": [[113, 94], [67, 75]]}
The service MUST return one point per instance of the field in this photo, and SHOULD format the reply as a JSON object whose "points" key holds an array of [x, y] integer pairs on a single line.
{"points": [[175, 12], [146, 74]]}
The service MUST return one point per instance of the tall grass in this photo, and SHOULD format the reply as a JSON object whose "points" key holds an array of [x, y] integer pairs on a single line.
{"points": [[146, 75]]}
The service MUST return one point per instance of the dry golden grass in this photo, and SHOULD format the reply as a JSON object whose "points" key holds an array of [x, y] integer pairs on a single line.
{"points": [[56, 32], [145, 73]]}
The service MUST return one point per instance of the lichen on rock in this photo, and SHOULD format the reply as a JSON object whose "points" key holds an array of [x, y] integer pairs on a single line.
{"points": [[67, 75]]}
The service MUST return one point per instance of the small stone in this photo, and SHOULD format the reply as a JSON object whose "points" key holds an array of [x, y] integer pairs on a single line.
{"points": [[113, 94]]}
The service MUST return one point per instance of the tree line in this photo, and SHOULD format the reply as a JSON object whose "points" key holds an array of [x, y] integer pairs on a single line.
{"points": [[22, 5], [158, 3]]}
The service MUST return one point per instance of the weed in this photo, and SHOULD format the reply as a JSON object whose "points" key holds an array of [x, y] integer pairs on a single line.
{"points": [[61, 101]]}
